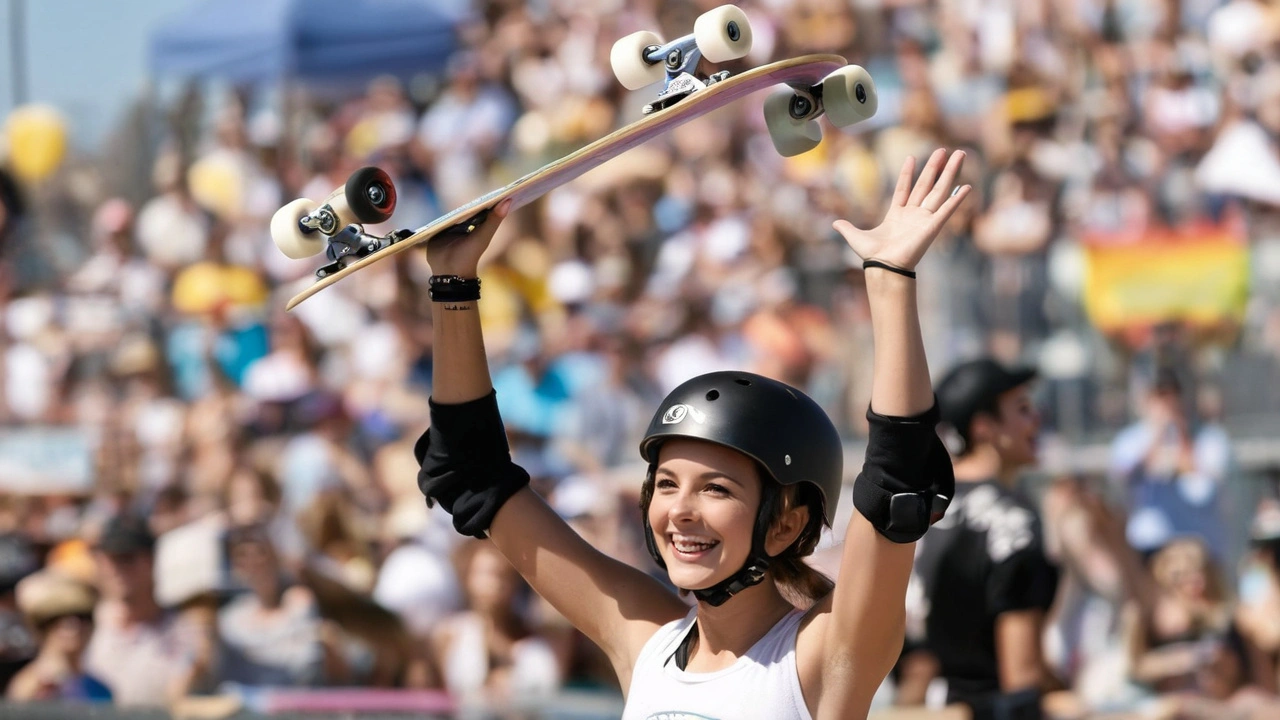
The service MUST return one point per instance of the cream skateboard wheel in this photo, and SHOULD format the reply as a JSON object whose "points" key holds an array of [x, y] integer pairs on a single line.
{"points": [[290, 236], [792, 132], [370, 195], [628, 63], [723, 34], [849, 96]]}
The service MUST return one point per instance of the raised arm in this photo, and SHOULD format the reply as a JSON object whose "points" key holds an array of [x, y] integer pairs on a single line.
{"points": [[863, 634], [616, 606]]}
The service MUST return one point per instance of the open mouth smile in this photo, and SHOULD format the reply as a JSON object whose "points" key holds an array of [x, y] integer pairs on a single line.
{"points": [[690, 547]]}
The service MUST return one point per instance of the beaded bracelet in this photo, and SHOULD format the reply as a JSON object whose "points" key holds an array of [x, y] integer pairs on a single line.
{"points": [[453, 288]]}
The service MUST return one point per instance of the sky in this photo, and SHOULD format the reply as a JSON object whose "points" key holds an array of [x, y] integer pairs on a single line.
{"points": [[88, 58], [85, 57]]}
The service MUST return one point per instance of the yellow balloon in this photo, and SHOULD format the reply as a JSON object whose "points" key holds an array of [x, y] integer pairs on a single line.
{"points": [[217, 184], [198, 288], [243, 286], [363, 138], [205, 286], [37, 138]]}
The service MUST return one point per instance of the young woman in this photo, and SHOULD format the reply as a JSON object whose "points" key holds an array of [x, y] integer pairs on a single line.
{"points": [[743, 472]]}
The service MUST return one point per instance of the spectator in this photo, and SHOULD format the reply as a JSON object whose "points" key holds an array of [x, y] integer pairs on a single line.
{"points": [[61, 610], [142, 652], [1172, 641], [1185, 647], [416, 580], [488, 650], [986, 581], [464, 130], [272, 634], [17, 644], [1172, 469], [1258, 612]]}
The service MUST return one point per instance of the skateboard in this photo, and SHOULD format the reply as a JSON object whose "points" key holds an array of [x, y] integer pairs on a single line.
{"points": [[816, 85]]}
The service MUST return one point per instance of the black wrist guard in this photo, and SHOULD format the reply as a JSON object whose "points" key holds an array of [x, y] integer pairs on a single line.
{"points": [[906, 481], [466, 463]]}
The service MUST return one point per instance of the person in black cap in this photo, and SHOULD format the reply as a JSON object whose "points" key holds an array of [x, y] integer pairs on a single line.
{"points": [[986, 580], [141, 651]]}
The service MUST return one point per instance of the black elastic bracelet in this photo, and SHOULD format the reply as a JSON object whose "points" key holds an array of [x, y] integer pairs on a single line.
{"points": [[453, 288], [891, 268]]}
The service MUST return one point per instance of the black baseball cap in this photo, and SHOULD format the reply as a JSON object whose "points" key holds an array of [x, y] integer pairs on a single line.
{"points": [[126, 534], [971, 387]]}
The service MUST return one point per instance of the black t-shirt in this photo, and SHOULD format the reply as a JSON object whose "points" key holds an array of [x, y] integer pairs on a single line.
{"points": [[984, 558]]}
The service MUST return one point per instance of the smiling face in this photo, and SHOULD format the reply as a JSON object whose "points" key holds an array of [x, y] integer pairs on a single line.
{"points": [[703, 511]]}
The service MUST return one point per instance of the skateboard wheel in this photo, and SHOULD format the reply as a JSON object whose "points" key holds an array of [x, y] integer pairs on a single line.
{"points": [[723, 34], [791, 135], [370, 195], [290, 237], [628, 63], [849, 96]]}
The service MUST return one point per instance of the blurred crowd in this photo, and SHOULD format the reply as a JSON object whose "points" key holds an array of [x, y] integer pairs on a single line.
{"points": [[251, 516]]}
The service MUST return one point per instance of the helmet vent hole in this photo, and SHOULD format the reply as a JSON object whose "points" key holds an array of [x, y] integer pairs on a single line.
{"points": [[742, 381], [713, 394]]}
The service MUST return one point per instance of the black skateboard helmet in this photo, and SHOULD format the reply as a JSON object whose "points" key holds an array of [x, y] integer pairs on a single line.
{"points": [[788, 435], [781, 428]]}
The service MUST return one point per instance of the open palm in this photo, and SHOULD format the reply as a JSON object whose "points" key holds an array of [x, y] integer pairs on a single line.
{"points": [[915, 215]]}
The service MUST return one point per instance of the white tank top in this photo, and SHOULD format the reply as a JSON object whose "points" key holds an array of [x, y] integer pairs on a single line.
{"points": [[763, 683]]}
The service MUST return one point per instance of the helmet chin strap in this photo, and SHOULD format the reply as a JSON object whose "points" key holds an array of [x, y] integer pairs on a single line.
{"points": [[752, 571], [750, 574]]}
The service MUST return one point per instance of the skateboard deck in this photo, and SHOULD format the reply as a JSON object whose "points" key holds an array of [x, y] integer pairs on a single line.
{"points": [[805, 71]]}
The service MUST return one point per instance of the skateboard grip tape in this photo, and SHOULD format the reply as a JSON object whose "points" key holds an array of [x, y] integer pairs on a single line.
{"points": [[466, 463]]}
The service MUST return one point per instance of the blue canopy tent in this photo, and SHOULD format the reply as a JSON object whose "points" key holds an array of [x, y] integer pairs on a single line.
{"points": [[313, 41]]}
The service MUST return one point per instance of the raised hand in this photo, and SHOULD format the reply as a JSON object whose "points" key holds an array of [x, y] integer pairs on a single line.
{"points": [[915, 215], [459, 253]]}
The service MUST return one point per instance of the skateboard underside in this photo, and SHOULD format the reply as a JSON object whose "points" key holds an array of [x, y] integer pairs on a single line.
{"points": [[801, 72]]}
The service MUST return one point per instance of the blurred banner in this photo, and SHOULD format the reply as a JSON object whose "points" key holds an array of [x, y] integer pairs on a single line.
{"points": [[1197, 275], [46, 460]]}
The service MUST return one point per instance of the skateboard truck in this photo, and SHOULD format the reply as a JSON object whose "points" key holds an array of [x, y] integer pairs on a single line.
{"points": [[352, 243], [680, 58], [643, 58]]}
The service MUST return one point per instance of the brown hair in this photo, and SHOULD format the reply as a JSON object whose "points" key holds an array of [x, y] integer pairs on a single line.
{"points": [[511, 622], [799, 583]]}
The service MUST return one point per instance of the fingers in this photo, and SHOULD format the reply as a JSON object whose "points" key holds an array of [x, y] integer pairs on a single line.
{"points": [[845, 228], [943, 188], [496, 216], [903, 190], [944, 213], [925, 183]]}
